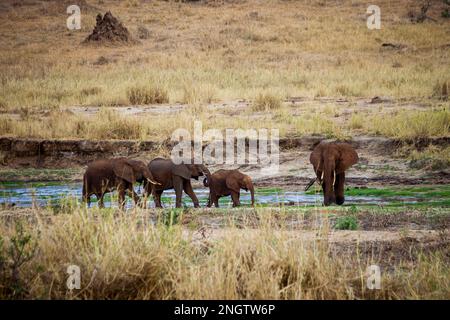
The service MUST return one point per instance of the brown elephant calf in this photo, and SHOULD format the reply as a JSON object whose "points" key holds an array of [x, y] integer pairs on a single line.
{"points": [[223, 183], [106, 175]]}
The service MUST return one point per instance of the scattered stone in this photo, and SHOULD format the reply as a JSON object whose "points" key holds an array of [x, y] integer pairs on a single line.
{"points": [[101, 61], [378, 99], [396, 46], [109, 30], [143, 33], [254, 15]]}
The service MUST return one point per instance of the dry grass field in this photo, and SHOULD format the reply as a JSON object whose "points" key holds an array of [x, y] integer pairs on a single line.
{"points": [[202, 53], [175, 255]]}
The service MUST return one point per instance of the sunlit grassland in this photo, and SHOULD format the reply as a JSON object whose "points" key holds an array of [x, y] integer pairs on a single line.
{"points": [[109, 124], [200, 53]]}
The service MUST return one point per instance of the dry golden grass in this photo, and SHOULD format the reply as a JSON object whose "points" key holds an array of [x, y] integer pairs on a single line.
{"points": [[431, 158], [124, 256], [204, 52], [411, 124], [110, 124], [266, 102], [147, 95], [198, 54]]}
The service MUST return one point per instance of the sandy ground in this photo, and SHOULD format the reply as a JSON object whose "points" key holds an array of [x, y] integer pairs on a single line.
{"points": [[335, 236]]}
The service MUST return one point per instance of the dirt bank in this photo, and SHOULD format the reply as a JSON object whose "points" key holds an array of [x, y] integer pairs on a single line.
{"points": [[378, 164], [40, 153]]}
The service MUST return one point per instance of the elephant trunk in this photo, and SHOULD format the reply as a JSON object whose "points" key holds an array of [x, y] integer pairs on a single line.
{"points": [[252, 192], [249, 186], [205, 170], [328, 181]]}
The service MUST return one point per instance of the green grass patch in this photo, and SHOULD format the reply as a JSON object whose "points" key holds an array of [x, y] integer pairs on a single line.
{"points": [[442, 191], [346, 223]]}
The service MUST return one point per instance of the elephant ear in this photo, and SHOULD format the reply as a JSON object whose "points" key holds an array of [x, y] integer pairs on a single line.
{"points": [[124, 170], [182, 170], [315, 156], [347, 157]]}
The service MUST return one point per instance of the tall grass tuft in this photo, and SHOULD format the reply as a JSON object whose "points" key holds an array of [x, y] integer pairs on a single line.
{"points": [[147, 95], [411, 124], [266, 102]]}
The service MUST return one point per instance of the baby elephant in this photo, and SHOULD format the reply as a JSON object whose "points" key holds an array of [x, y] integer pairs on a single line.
{"points": [[228, 182]]}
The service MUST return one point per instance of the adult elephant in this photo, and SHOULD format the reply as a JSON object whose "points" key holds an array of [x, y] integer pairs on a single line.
{"points": [[223, 183], [175, 176], [106, 175], [330, 161]]}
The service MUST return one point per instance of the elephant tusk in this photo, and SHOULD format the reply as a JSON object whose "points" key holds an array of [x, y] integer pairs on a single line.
{"points": [[153, 182], [321, 178]]}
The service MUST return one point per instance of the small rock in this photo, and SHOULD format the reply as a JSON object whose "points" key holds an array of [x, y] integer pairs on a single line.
{"points": [[396, 46]]}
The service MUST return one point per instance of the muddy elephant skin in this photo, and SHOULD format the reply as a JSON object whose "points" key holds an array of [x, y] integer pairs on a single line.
{"points": [[106, 175], [330, 161], [224, 183], [175, 176]]}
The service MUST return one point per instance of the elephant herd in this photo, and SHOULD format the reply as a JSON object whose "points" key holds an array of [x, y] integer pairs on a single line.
{"points": [[330, 160]]}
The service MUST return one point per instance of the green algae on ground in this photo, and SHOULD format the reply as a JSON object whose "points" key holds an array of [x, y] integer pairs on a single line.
{"points": [[441, 191]]}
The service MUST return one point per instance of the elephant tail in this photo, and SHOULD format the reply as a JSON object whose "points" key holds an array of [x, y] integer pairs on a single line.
{"points": [[250, 187]]}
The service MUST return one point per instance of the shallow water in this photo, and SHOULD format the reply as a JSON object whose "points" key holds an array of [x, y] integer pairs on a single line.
{"points": [[51, 193]]}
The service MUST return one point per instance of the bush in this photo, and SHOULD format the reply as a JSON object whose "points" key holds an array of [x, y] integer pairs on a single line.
{"points": [[346, 223], [147, 95], [266, 102], [433, 158], [21, 249], [90, 91]]}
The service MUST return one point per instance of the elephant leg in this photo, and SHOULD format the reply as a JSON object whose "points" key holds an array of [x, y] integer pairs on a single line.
{"points": [[131, 193], [144, 201], [339, 188], [216, 200], [157, 198], [187, 187], [235, 197], [209, 204], [87, 200], [100, 196], [178, 186], [121, 192]]}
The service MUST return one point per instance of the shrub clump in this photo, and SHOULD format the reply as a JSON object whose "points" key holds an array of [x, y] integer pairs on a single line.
{"points": [[266, 102], [346, 223], [147, 95]]}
